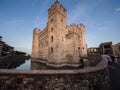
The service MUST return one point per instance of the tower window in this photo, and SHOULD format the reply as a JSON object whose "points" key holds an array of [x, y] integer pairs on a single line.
{"points": [[52, 29], [51, 38], [51, 49], [51, 20], [62, 20]]}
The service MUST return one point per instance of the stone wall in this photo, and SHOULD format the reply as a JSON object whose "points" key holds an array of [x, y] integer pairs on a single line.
{"points": [[94, 58], [91, 78]]}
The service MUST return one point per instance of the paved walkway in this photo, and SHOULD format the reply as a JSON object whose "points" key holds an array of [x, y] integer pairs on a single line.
{"points": [[115, 77]]}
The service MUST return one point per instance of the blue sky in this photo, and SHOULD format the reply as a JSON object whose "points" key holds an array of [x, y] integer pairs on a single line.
{"points": [[18, 18]]}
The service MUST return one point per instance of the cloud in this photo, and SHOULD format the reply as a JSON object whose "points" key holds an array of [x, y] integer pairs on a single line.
{"points": [[82, 12], [40, 22], [76, 14], [117, 9]]}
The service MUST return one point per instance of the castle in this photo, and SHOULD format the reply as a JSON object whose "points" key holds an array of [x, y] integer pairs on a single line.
{"points": [[59, 43]]}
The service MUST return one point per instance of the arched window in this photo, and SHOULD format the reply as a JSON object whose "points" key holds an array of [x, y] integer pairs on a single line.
{"points": [[51, 49], [83, 48], [51, 38], [51, 29], [51, 20]]}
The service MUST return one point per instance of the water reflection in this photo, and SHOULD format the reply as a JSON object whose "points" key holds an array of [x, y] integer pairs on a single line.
{"points": [[35, 65], [18, 63], [12, 62], [24, 66]]}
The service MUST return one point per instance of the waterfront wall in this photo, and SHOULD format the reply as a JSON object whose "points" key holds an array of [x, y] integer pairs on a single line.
{"points": [[12, 61], [90, 78]]}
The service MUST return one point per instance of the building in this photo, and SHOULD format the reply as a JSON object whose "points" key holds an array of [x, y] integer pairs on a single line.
{"points": [[116, 49], [93, 50], [106, 48], [5, 49], [58, 42], [1, 45], [0, 38]]}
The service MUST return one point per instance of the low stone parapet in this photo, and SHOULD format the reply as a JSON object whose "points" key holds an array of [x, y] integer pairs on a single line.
{"points": [[90, 78]]}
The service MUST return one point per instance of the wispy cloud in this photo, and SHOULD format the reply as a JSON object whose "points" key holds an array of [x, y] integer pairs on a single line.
{"points": [[40, 22], [117, 9], [75, 14], [82, 11]]}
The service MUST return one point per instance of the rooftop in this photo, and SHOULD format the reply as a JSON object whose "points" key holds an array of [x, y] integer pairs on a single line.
{"points": [[0, 36]]}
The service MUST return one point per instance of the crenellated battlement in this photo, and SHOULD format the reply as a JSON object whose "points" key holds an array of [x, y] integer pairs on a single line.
{"points": [[56, 7], [81, 25], [36, 30]]}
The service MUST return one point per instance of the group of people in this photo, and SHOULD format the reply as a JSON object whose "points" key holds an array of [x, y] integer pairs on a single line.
{"points": [[111, 60]]}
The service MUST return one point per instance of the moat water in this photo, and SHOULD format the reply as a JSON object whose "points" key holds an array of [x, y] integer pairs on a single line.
{"points": [[31, 65], [24, 66]]}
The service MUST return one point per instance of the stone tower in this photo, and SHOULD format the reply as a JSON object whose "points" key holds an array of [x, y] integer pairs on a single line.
{"points": [[35, 42], [56, 25]]}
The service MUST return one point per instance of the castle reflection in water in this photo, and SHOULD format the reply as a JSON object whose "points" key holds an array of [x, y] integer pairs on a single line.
{"points": [[28, 64], [35, 65]]}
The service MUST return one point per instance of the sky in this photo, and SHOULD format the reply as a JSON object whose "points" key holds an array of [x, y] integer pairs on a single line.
{"points": [[18, 18]]}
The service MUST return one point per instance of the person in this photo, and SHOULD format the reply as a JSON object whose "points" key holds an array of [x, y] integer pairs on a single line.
{"points": [[112, 57], [107, 59], [116, 61]]}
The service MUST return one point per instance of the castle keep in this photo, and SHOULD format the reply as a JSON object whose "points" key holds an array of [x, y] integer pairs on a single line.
{"points": [[58, 42]]}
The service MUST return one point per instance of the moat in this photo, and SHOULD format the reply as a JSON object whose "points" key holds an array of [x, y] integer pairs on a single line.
{"points": [[28, 64]]}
